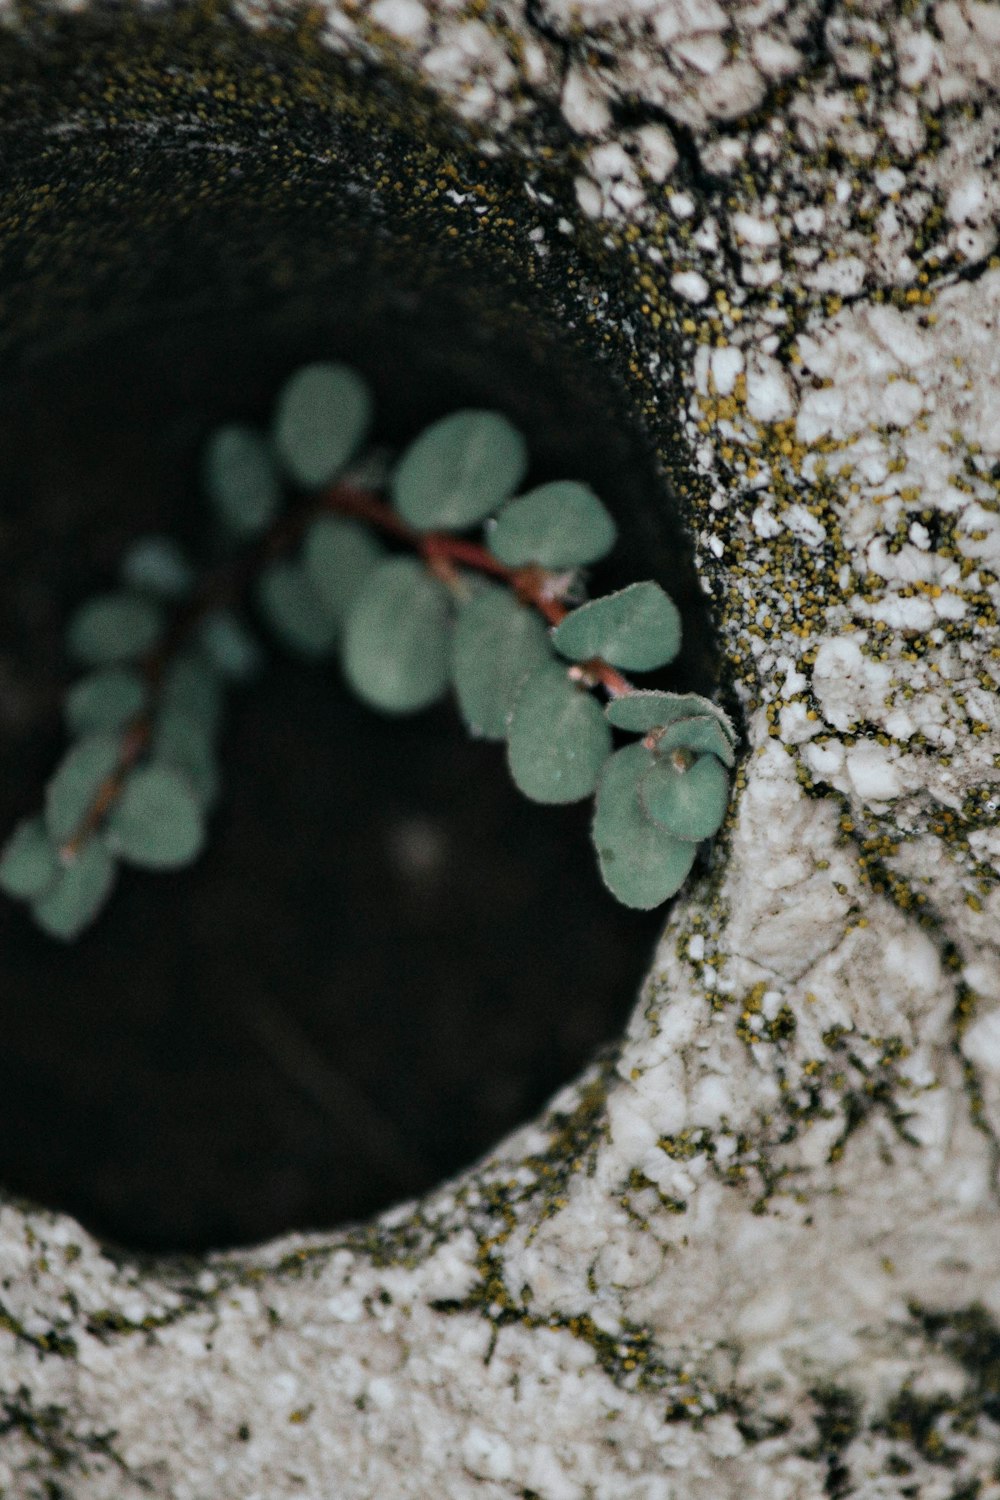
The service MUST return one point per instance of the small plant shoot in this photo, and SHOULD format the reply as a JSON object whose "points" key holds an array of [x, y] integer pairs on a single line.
{"points": [[337, 553]]}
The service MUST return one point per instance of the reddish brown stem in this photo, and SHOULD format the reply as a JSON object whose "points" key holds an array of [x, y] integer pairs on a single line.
{"points": [[533, 585], [136, 740], [443, 553]]}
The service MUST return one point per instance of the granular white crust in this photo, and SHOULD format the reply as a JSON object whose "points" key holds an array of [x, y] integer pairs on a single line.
{"points": [[754, 1255]]}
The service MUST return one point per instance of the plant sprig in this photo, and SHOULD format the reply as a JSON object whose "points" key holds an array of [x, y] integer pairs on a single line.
{"points": [[378, 566]]}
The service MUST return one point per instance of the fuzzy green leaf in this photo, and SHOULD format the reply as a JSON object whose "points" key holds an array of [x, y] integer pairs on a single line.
{"points": [[157, 821], [558, 525], [459, 470], [190, 685], [396, 647], [180, 740], [240, 479], [338, 556], [28, 861], [690, 801], [638, 628], [558, 739], [229, 646], [156, 565], [642, 711], [74, 899], [103, 702], [641, 863], [702, 733], [114, 627], [322, 416], [293, 611], [73, 789], [497, 643]]}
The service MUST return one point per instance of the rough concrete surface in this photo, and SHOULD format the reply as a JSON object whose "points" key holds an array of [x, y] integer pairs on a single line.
{"points": [[759, 1254]]}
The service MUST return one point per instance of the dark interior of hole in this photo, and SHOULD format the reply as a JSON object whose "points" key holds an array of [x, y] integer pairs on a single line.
{"points": [[386, 958]]}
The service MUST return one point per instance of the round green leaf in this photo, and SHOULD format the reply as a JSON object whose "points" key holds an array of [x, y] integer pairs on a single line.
{"points": [[558, 525], [28, 861], [641, 863], [395, 651], [642, 711], [293, 611], [229, 645], [638, 628], [73, 789], [497, 643], [105, 701], [240, 480], [73, 901], [702, 733], [156, 565], [114, 627], [189, 684], [338, 556], [157, 821], [321, 418], [558, 738], [180, 740], [689, 801], [459, 470]]}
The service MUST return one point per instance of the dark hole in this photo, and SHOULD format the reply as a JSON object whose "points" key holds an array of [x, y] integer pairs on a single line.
{"points": [[387, 957]]}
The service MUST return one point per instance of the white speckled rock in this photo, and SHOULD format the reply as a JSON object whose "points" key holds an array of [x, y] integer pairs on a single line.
{"points": [[759, 1257]]}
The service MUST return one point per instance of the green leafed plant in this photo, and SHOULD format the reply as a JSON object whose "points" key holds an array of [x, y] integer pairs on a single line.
{"points": [[374, 564]]}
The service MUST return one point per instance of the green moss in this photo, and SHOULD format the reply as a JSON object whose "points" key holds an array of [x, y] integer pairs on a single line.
{"points": [[753, 1027], [51, 1342], [574, 1140], [639, 1183]]}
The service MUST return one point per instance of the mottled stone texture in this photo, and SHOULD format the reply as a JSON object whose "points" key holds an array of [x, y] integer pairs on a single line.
{"points": [[756, 1255]]}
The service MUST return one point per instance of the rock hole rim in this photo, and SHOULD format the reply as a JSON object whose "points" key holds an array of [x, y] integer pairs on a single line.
{"points": [[164, 289]]}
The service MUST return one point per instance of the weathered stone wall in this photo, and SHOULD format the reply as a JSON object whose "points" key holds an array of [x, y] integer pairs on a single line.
{"points": [[757, 1254]]}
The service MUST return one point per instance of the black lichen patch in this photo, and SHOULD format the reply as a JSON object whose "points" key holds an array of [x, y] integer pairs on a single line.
{"points": [[970, 1336], [934, 1426], [54, 1449], [838, 1421], [915, 1420]]}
